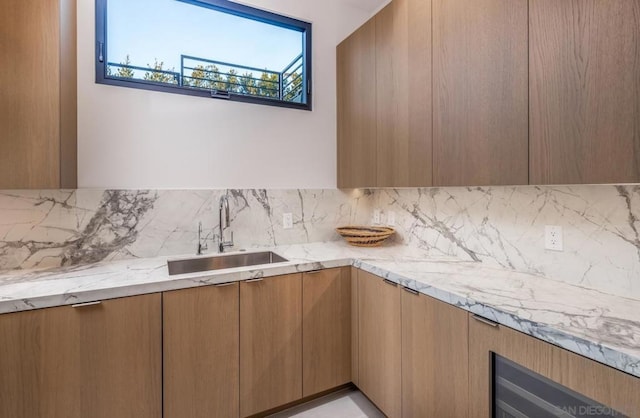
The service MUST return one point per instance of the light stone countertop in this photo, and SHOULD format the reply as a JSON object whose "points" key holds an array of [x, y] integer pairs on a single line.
{"points": [[597, 325]]}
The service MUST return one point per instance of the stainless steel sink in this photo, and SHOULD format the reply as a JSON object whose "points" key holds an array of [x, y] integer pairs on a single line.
{"points": [[219, 262]]}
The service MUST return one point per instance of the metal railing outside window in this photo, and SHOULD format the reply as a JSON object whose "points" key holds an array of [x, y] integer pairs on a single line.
{"points": [[205, 77]]}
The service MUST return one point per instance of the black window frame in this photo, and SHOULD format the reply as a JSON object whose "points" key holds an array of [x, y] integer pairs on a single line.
{"points": [[225, 6]]}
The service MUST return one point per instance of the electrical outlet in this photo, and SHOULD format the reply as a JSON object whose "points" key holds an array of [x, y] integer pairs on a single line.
{"points": [[287, 221], [391, 218], [553, 238], [377, 214]]}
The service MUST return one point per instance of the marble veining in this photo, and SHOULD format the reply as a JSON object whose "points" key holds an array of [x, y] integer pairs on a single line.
{"points": [[54, 228], [504, 227], [600, 326], [491, 226]]}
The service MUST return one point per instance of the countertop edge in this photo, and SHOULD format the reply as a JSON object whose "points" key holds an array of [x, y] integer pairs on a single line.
{"points": [[586, 348]]}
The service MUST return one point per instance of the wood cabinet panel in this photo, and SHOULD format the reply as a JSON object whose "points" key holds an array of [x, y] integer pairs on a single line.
{"points": [[380, 343], [30, 107], [480, 83], [585, 91], [435, 355], [121, 358], [355, 340], [96, 361], [38, 98], [68, 95], [270, 343], [37, 352], [403, 94], [201, 354], [596, 381], [357, 153], [326, 325]]}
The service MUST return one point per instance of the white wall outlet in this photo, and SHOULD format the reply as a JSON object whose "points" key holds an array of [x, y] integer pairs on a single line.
{"points": [[553, 238], [391, 218], [287, 221], [377, 215]]}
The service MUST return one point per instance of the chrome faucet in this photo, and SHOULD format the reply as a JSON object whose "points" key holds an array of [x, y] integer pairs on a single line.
{"points": [[224, 206]]}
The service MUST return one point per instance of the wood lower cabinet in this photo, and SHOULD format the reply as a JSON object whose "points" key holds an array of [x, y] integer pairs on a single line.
{"points": [[201, 353], [435, 355], [601, 383], [355, 379], [326, 325], [244, 349], [121, 357], [379, 342], [585, 91], [102, 360], [270, 343], [39, 375]]}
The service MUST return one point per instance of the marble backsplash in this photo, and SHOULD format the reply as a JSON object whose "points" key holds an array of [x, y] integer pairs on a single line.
{"points": [[51, 228], [497, 226], [505, 226]]}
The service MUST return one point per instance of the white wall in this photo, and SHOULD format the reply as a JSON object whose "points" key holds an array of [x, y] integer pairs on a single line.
{"points": [[129, 138]]}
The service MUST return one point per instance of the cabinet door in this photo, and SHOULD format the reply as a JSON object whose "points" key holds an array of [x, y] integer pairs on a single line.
{"points": [[435, 354], [356, 68], [39, 374], [121, 358], [201, 329], [594, 380], [270, 343], [585, 91], [380, 342], [38, 99], [403, 94], [326, 325], [102, 360], [480, 78]]}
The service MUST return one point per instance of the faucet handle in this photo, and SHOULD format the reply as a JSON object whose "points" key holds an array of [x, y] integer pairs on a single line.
{"points": [[228, 243], [202, 244], [225, 244]]}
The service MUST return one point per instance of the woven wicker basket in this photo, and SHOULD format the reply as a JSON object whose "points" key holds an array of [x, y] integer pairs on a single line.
{"points": [[365, 236]]}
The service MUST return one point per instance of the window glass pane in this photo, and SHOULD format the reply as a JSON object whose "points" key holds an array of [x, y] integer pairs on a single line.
{"points": [[177, 43]]}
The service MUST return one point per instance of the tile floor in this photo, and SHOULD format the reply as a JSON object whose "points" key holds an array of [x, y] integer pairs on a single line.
{"points": [[349, 403]]}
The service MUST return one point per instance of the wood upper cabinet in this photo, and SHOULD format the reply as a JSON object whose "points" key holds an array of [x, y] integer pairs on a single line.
{"points": [[480, 81], [98, 361], [270, 343], [356, 68], [601, 383], [384, 99], [585, 91], [201, 329], [326, 325], [38, 97], [379, 335], [403, 94], [435, 354]]}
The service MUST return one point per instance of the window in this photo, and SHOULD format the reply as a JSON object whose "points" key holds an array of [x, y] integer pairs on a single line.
{"points": [[209, 48]]}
